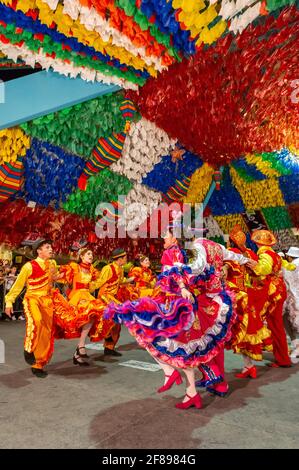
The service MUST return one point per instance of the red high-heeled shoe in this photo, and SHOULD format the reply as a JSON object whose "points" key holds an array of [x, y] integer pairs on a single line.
{"points": [[249, 372], [174, 377], [193, 401]]}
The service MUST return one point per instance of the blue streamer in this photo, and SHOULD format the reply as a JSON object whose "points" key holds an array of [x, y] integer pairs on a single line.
{"points": [[227, 200], [166, 172], [250, 169], [51, 174], [166, 22], [289, 186]]}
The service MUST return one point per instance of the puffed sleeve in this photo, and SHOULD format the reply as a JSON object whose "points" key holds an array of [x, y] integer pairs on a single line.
{"points": [[68, 271], [18, 285]]}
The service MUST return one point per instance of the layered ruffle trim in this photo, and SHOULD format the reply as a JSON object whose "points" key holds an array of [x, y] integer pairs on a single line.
{"points": [[69, 320]]}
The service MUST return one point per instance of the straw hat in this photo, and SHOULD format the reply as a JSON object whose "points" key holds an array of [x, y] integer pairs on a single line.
{"points": [[263, 237], [237, 235]]}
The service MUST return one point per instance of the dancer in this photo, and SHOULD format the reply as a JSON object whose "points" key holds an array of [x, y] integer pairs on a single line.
{"points": [[249, 334], [38, 275], [188, 321], [143, 276], [269, 272], [85, 317], [109, 282], [291, 306]]}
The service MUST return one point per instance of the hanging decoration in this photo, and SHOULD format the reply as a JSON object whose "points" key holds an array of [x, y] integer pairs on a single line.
{"points": [[200, 183], [178, 191], [235, 112], [277, 218], [217, 177], [13, 144], [227, 199], [289, 186], [265, 193], [227, 222], [103, 187], [51, 174], [171, 171], [11, 177], [108, 149], [139, 204], [144, 147], [78, 128]]}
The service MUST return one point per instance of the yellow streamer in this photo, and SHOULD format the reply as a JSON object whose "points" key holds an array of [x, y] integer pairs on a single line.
{"points": [[199, 185], [262, 165], [258, 194], [228, 222], [196, 20], [13, 144]]}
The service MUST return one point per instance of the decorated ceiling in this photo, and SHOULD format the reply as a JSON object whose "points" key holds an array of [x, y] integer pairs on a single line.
{"points": [[210, 92]]}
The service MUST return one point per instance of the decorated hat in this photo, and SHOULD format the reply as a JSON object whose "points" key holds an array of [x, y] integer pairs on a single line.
{"points": [[237, 235], [118, 253], [40, 242], [263, 237], [293, 252], [78, 245]]}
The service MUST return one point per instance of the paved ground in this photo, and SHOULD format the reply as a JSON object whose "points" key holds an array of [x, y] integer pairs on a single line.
{"points": [[108, 406]]}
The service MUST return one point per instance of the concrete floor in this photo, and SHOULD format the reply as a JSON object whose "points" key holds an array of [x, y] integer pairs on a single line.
{"points": [[107, 406]]}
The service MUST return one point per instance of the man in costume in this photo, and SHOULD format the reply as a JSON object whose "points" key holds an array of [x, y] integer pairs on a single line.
{"points": [[109, 282], [38, 275], [249, 334], [269, 271]]}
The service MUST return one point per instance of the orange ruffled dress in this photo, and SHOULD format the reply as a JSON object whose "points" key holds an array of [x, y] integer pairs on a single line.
{"points": [[250, 336], [144, 279], [81, 307]]}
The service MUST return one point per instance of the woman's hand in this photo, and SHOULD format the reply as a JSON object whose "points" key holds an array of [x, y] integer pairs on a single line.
{"points": [[186, 294], [251, 263]]}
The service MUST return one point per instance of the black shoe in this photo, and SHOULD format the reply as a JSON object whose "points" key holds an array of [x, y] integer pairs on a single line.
{"points": [[29, 358], [40, 373], [111, 352], [79, 362], [85, 356]]}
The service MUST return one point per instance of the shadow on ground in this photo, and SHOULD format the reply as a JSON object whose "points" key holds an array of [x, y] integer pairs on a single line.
{"points": [[146, 422]]}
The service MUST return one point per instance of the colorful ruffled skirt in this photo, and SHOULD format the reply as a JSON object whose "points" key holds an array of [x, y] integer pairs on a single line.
{"points": [[250, 336], [71, 316], [175, 331]]}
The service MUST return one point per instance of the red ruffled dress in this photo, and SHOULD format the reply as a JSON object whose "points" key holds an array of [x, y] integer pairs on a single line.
{"points": [[81, 307], [171, 328], [250, 336]]}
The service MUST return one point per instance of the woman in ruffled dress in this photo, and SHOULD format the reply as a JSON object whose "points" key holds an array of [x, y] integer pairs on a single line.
{"points": [[82, 314], [187, 321], [143, 276], [250, 337]]}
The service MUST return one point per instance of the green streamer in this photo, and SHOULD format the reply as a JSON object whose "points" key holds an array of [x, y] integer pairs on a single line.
{"points": [[78, 128], [271, 157], [277, 218], [106, 186]]}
